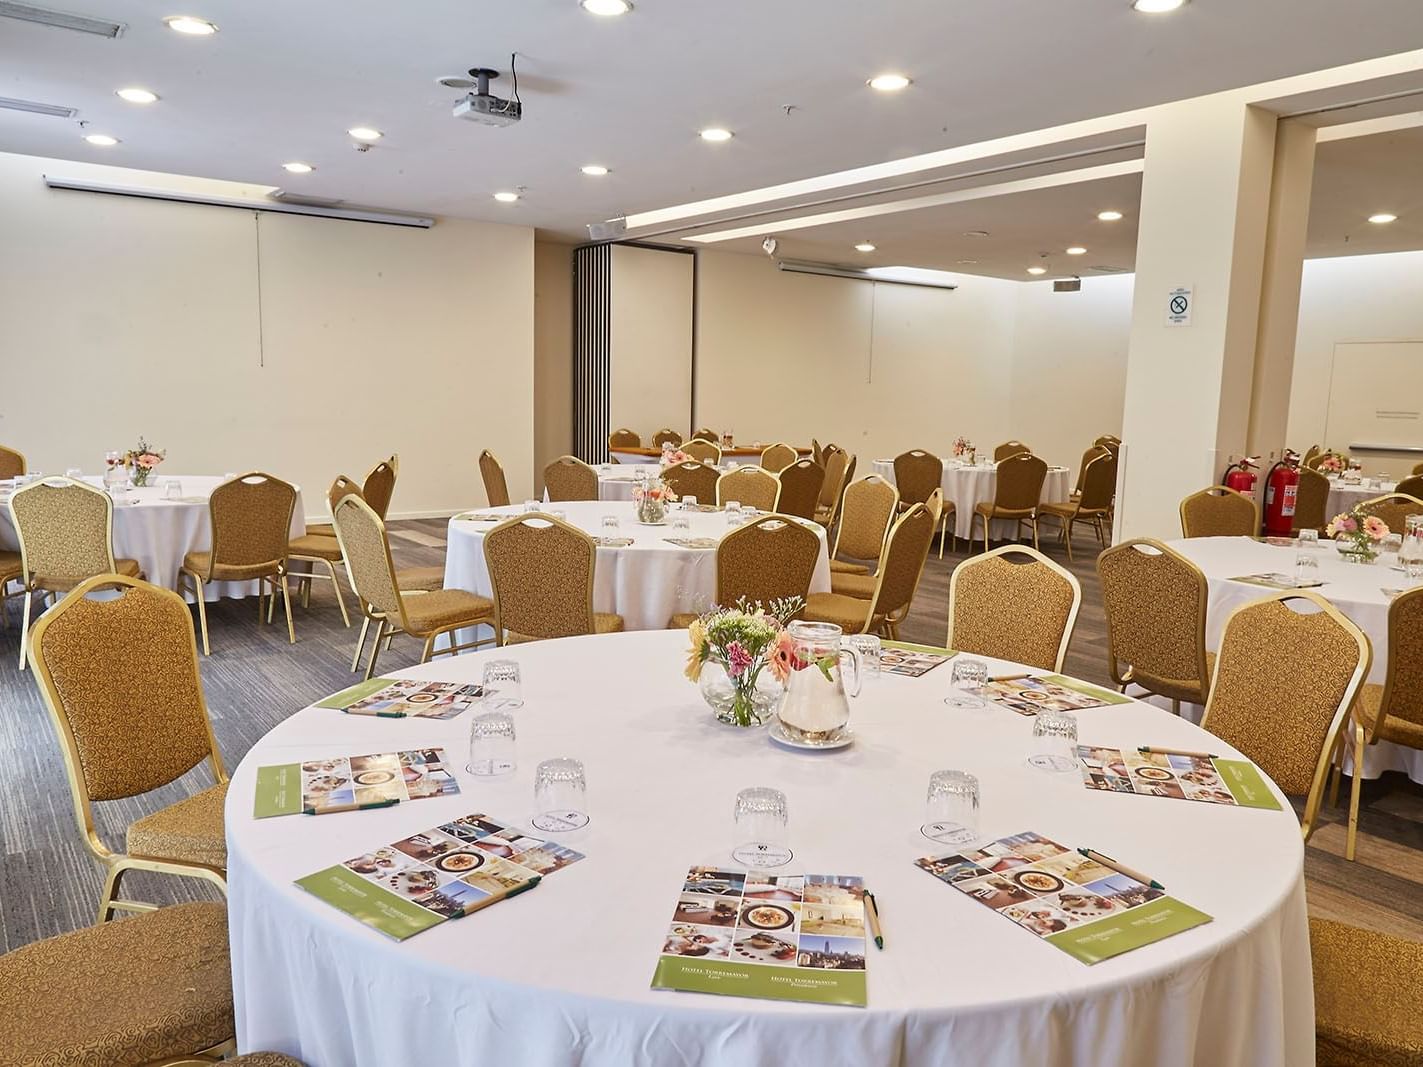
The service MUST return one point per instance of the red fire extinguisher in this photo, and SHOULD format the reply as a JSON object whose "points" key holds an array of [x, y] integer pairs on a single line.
{"points": [[1281, 491], [1241, 476]]}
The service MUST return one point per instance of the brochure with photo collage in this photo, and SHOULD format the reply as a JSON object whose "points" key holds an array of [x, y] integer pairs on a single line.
{"points": [[351, 783], [1183, 777], [444, 873], [1276, 580], [402, 698], [776, 937], [1076, 904], [1049, 692], [911, 661]]}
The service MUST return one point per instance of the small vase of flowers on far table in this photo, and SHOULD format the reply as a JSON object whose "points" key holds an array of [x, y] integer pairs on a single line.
{"points": [[142, 461]]}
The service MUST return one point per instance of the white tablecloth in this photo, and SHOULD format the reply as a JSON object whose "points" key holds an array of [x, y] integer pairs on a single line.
{"points": [[159, 532], [968, 487], [1343, 498], [561, 975], [616, 480], [646, 583], [1355, 589]]}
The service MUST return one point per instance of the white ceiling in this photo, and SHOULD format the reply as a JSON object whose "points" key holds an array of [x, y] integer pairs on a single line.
{"points": [[284, 82]]}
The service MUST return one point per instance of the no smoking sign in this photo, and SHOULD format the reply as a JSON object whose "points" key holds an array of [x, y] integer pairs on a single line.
{"points": [[1179, 305]]}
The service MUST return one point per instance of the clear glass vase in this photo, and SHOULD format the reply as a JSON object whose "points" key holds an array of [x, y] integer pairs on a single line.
{"points": [[140, 474], [739, 703]]}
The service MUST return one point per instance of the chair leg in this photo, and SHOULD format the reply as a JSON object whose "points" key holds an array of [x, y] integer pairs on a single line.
{"points": [[287, 603], [429, 646], [361, 644], [1175, 707], [25, 627], [1067, 537], [1354, 790], [1034, 521], [305, 586], [375, 649], [110, 893], [199, 595], [340, 600]]}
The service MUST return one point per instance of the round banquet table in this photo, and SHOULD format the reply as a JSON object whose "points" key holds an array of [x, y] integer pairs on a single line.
{"points": [[742, 454], [562, 975], [646, 582], [967, 487], [616, 480], [1343, 497], [1355, 589], [159, 532]]}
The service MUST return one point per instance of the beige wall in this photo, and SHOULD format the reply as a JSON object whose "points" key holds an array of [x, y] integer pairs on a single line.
{"points": [[650, 340], [121, 317], [553, 355]]}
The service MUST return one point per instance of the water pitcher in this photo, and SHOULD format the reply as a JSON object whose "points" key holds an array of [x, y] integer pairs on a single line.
{"points": [[815, 708]]}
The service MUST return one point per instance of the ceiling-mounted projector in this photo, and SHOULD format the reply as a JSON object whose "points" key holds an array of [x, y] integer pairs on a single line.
{"points": [[483, 107]]}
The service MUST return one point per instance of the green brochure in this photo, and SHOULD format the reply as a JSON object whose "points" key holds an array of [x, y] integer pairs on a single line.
{"points": [[401, 698], [776, 937], [912, 661], [352, 783], [1181, 775], [1030, 694], [1088, 910]]}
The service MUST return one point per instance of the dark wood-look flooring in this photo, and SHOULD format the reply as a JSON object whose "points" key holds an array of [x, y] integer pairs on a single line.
{"points": [[254, 679]]}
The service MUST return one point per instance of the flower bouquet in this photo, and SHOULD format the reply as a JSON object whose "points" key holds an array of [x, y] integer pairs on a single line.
{"points": [[650, 500], [731, 649], [672, 457], [142, 461], [1357, 535], [963, 449], [1332, 464]]}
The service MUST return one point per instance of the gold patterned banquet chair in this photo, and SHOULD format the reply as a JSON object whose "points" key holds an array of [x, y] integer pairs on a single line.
{"points": [[692, 478], [666, 436], [703, 450], [1365, 997], [778, 457], [1009, 448], [838, 468], [862, 585], [542, 569], [917, 473], [1017, 492], [155, 989], [376, 490], [1410, 486], [316, 549], [1418, 468], [1022, 610], [1219, 512], [127, 731], [496, 489], [905, 552], [12, 463], [770, 558], [1311, 501], [1283, 685], [1155, 602], [1394, 509], [1093, 506], [749, 486], [801, 483], [569, 478], [869, 509], [1309, 454], [1087, 457], [624, 438], [816, 452], [424, 614], [250, 516], [66, 534], [705, 434]]}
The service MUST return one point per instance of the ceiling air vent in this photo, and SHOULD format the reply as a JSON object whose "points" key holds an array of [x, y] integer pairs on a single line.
{"points": [[60, 20], [34, 107], [1110, 270]]}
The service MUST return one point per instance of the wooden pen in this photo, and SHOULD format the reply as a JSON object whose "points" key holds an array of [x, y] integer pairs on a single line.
{"points": [[1107, 861], [872, 915], [1147, 750], [1010, 678], [313, 810]]}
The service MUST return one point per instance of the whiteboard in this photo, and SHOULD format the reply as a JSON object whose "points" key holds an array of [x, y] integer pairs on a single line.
{"points": [[1376, 398]]}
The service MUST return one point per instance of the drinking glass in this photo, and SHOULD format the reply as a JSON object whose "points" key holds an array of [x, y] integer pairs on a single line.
{"points": [[560, 795], [733, 512], [869, 648], [120, 494], [74, 473], [1306, 569], [491, 743], [689, 502], [951, 808], [968, 674], [559, 514], [761, 818], [114, 472], [611, 526], [1054, 742], [681, 523], [1309, 538], [1410, 553], [1391, 545], [531, 505], [503, 687]]}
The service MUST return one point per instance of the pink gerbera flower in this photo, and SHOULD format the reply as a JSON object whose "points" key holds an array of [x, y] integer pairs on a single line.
{"points": [[1376, 528], [783, 657]]}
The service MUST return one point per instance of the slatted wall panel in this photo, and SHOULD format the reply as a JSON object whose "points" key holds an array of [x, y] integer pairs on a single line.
{"points": [[592, 363]]}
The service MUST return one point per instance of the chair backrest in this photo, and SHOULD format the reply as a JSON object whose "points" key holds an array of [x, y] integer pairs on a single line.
{"points": [[1403, 684], [1109, 440], [692, 479], [707, 435], [1020, 482], [1284, 682], [541, 569], [341, 488], [1219, 512], [666, 436], [65, 529], [12, 463], [845, 480], [1155, 601], [495, 487], [123, 731], [801, 483], [1410, 486], [1312, 500], [703, 450], [1009, 448], [624, 438], [1309, 454], [902, 563], [750, 486], [778, 457], [868, 509], [366, 550], [379, 485], [1418, 468], [764, 560], [569, 478], [1087, 457], [251, 519], [816, 452], [1394, 509], [917, 473], [836, 463], [1022, 611], [1099, 483]]}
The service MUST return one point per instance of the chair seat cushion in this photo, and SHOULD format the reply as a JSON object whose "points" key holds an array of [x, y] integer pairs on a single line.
{"points": [[993, 511], [682, 620], [127, 567], [317, 546], [442, 608], [9, 565], [423, 579], [860, 586], [603, 623], [1187, 689], [262, 1059], [839, 566], [1365, 996], [199, 562], [1399, 731], [190, 831], [323, 529], [123, 993], [848, 612]]}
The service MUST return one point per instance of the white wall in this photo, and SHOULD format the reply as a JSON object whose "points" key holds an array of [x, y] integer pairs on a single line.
{"points": [[650, 340], [121, 317]]}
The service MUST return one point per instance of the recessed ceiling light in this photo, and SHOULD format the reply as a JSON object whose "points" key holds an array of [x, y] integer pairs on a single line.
{"points": [[1382, 218], [136, 95], [365, 133], [1156, 7], [1077, 250], [888, 83], [864, 246], [594, 170], [1037, 270], [716, 133], [506, 197], [190, 25], [975, 233], [103, 140], [605, 8], [967, 262], [1109, 216], [296, 167]]}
